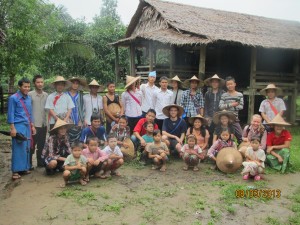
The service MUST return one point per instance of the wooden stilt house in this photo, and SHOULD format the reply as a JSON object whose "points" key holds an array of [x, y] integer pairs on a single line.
{"points": [[177, 39]]}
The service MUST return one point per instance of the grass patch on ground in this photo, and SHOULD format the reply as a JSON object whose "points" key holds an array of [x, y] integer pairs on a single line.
{"points": [[3, 122]]}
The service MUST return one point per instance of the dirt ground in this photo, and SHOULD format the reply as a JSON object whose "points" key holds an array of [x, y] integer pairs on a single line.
{"points": [[142, 196]]}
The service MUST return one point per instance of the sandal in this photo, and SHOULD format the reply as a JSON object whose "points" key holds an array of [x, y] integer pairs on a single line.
{"points": [[16, 176], [185, 168], [163, 169]]}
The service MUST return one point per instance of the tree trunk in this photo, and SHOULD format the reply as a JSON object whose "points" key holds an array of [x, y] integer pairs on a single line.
{"points": [[11, 83]]}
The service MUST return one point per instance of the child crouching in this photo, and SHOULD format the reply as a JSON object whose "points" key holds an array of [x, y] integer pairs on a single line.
{"points": [[254, 164], [158, 151], [96, 158], [115, 155], [223, 142], [75, 166], [191, 153]]}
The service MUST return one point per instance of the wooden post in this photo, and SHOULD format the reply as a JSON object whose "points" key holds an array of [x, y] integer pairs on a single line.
{"points": [[2, 99], [132, 59], [252, 84], [296, 70], [202, 60], [150, 56], [172, 61], [117, 69]]}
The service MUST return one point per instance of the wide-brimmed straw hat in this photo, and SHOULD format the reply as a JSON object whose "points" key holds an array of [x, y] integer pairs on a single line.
{"points": [[229, 114], [229, 160], [166, 110], [60, 123], [130, 80], [60, 79], [187, 82], [271, 86], [207, 81], [95, 83], [278, 120], [192, 119], [81, 81]]}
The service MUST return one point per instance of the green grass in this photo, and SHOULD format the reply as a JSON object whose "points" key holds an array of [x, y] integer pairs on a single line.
{"points": [[295, 207], [3, 122]]}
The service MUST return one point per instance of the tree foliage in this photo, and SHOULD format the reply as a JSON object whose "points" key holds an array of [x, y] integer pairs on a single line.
{"points": [[42, 38]]}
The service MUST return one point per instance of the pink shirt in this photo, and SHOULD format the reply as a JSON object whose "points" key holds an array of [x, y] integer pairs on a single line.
{"points": [[98, 154]]}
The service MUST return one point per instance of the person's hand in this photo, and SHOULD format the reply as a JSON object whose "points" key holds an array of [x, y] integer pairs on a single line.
{"points": [[33, 130], [13, 132], [158, 156], [143, 142], [91, 161], [78, 165], [234, 104], [269, 149], [116, 119], [96, 162], [178, 140]]}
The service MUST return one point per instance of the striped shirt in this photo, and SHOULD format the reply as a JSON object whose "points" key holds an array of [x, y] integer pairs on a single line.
{"points": [[218, 145], [227, 100]]}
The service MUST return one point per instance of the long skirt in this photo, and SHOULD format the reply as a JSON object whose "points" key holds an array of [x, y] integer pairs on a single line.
{"points": [[273, 161], [20, 160]]}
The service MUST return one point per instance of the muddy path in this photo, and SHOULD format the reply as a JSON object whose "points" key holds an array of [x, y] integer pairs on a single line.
{"points": [[143, 196]]}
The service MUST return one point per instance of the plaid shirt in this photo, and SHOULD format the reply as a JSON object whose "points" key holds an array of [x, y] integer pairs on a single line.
{"points": [[218, 145], [56, 147], [191, 103]]}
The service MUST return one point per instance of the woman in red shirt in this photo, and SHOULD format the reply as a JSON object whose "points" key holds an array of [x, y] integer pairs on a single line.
{"points": [[278, 144]]}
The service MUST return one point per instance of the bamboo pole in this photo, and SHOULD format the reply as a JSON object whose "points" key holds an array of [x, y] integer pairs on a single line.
{"points": [[202, 60], [252, 84]]}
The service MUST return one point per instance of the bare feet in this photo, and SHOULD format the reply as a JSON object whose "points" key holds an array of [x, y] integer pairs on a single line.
{"points": [[82, 182], [185, 168], [196, 168], [163, 168], [15, 176]]}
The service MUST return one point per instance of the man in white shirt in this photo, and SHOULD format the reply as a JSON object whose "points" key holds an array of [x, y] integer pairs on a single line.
{"points": [[92, 103], [161, 98], [147, 92]]}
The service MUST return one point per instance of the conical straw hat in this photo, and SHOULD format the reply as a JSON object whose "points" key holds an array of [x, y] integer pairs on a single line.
{"points": [[166, 110], [208, 80], [271, 86], [278, 120], [95, 83], [60, 79], [176, 78], [229, 160], [229, 114], [60, 123], [187, 82], [192, 119], [130, 80]]}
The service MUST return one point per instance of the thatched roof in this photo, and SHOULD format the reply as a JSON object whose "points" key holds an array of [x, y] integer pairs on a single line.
{"points": [[2, 37], [180, 24]]}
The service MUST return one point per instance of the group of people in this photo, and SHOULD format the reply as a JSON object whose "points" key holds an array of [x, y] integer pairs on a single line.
{"points": [[160, 122]]}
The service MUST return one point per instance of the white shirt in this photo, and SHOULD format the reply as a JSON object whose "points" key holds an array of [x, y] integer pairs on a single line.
{"points": [[63, 104], [91, 104], [147, 95], [131, 107], [160, 100]]}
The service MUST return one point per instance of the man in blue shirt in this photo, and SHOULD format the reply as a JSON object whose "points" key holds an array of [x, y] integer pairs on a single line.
{"points": [[94, 130], [19, 117]]}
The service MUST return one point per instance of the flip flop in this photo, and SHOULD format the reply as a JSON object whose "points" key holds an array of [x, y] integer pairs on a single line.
{"points": [[185, 168], [62, 185], [115, 173], [16, 176]]}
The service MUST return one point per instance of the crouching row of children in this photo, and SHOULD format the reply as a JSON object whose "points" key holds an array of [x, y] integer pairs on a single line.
{"points": [[92, 161]]}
